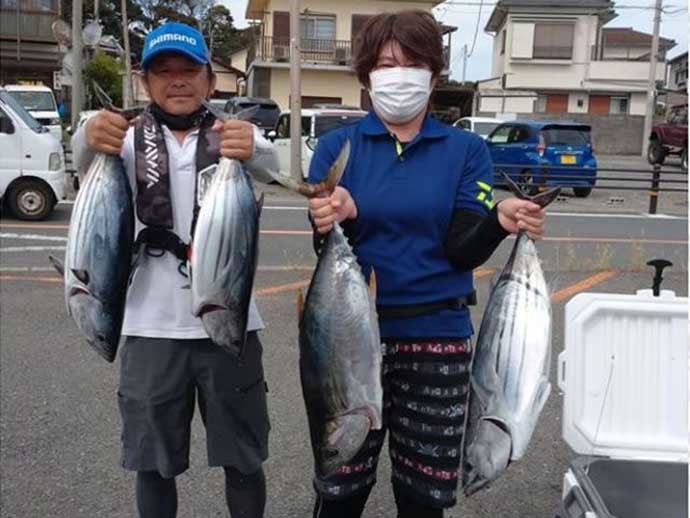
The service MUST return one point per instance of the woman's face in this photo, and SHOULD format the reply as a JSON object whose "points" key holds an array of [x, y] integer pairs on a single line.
{"points": [[392, 55]]}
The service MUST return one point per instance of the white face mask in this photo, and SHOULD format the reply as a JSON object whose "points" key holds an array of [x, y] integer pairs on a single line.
{"points": [[399, 94]]}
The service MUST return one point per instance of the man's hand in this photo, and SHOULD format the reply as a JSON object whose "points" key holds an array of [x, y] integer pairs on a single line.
{"points": [[236, 138], [335, 208], [105, 132], [515, 215]]}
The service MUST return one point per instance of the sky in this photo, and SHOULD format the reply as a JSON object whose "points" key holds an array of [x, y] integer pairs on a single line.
{"points": [[453, 12]]}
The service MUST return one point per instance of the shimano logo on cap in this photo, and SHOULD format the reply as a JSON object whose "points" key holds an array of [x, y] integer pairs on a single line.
{"points": [[172, 37]]}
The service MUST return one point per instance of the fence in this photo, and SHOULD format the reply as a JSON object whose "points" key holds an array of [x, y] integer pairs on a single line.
{"points": [[655, 180]]}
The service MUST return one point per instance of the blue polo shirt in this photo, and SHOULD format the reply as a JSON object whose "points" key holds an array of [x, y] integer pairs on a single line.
{"points": [[406, 195]]}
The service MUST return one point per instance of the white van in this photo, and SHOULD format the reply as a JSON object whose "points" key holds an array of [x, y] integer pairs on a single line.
{"points": [[315, 122], [32, 167], [39, 101]]}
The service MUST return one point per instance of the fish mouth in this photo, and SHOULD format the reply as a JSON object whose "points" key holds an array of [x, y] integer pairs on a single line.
{"points": [[210, 308], [77, 290]]}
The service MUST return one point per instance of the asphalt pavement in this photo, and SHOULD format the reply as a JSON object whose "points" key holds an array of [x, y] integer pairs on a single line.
{"points": [[60, 427]]}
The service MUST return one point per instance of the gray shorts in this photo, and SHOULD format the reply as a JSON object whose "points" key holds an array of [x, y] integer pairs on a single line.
{"points": [[160, 380]]}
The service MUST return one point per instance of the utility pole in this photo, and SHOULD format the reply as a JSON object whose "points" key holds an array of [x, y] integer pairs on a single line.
{"points": [[127, 93], [78, 62], [651, 85], [96, 10], [295, 92], [464, 61]]}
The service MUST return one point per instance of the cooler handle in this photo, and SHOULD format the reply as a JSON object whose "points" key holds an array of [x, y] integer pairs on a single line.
{"points": [[577, 495], [561, 371]]}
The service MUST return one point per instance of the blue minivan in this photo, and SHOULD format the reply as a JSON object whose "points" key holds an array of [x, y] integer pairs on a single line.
{"points": [[550, 153]]}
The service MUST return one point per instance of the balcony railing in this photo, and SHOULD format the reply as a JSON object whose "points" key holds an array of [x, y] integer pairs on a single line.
{"points": [[318, 51], [326, 52], [623, 54]]}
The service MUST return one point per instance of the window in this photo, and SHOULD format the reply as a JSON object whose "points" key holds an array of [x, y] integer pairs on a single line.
{"points": [[500, 136], [325, 123], [619, 105], [553, 41], [566, 137], [518, 134], [503, 42], [540, 104], [283, 126], [317, 33], [8, 4]]}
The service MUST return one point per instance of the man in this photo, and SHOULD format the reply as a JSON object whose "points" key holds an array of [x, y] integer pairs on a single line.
{"points": [[167, 359]]}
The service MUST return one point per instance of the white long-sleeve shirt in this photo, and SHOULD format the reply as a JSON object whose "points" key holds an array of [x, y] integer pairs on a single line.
{"points": [[157, 305]]}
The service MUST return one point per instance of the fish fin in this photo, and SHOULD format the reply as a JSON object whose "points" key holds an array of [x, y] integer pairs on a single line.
{"points": [[246, 114], [82, 275], [186, 287], [372, 285], [553, 283], [260, 203], [542, 199], [335, 173], [57, 264], [300, 305]]}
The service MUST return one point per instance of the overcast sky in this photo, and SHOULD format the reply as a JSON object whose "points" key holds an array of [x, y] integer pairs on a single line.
{"points": [[673, 26]]}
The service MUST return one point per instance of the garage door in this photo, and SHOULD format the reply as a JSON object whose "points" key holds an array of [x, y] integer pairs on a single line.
{"points": [[599, 104], [557, 103]]}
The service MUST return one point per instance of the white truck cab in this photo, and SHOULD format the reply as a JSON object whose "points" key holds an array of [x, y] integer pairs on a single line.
{"points": [[32, 168], [39, 101]]}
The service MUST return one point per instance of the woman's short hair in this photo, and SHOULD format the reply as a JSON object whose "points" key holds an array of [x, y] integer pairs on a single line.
{"points": [[417, 33]]}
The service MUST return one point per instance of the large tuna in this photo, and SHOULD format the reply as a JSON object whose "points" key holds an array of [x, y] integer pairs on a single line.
{"points": [[510, 369], [340, 348], [340, 356], [99, 253]]}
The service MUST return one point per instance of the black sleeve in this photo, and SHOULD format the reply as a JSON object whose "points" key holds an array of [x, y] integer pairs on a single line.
{"points": [[348, 227], [472, 238]]}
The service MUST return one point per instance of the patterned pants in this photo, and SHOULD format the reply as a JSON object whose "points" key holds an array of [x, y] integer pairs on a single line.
{"points": [[425, 386]]}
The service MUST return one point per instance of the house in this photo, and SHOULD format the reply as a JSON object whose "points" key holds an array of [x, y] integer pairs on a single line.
{"points": [[29, 52], [328, 30], [678, 73], [556, 59]]}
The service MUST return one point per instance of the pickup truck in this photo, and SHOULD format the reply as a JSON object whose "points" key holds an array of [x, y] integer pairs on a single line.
{"points": [[670, 137]]}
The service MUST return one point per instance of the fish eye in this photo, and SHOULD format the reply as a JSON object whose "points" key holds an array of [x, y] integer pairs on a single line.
{"points": [[330, 453]]}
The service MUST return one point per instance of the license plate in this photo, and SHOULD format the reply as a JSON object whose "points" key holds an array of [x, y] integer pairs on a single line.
{"points": [[568, 159]]}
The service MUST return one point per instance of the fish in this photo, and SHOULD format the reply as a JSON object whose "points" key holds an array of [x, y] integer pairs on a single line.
{"points": [[225, 250], [339, 348], [509, 377], [224, 255], [98, 257]]}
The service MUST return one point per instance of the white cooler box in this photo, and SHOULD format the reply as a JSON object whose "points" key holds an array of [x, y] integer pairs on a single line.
{"points": [[624, 372]]}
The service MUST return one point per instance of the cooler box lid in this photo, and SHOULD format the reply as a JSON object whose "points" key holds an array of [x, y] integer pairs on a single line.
{"points": [[624, 372]]}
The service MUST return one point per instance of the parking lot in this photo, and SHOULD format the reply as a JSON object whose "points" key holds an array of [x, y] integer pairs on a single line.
{"points": [[60, 426]]}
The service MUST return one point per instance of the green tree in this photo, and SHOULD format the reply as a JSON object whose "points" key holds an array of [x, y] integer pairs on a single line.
{"points": [[107, 72]]}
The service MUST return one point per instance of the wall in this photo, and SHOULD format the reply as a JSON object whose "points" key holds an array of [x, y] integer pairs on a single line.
{"points": [[319, 83], [226, 81], [611, 134], [638, 103], [624, 71], [239, 60], [572, 102]]}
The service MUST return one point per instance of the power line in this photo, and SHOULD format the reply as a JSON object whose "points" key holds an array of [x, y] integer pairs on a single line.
{"points": [[476, 30]]}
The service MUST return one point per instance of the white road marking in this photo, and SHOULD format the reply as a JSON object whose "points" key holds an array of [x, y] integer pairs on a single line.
{"points": [[36, 237], [15, 249], [551, 214]]}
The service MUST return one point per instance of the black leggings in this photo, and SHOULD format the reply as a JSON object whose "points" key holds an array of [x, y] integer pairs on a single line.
{"points": [[245, 494], [353, 506]]}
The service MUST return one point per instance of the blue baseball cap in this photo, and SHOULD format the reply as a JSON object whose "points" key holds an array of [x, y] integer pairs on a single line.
{"points": [[178, 38]]}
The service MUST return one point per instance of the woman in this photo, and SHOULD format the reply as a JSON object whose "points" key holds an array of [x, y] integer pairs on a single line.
{"points": [[416, 201]]}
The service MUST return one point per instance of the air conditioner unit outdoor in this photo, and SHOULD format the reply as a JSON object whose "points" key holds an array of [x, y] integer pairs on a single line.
{"points": [[281, 52], [341, 56]]}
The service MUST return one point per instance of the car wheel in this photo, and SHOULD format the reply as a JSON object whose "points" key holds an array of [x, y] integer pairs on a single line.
{"points": [[684, 158], [656, 154], [527, 182], [31, 200], [582, 192]]}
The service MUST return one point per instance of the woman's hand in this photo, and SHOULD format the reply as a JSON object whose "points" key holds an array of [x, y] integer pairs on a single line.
{"points": [[337, 207], [515, 215]]}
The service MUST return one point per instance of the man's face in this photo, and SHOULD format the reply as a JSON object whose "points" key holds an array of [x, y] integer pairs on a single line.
{"points": [[176, 83]]}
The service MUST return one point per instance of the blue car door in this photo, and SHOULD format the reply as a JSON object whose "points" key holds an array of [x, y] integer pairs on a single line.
{"points": [[497, 148]]}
